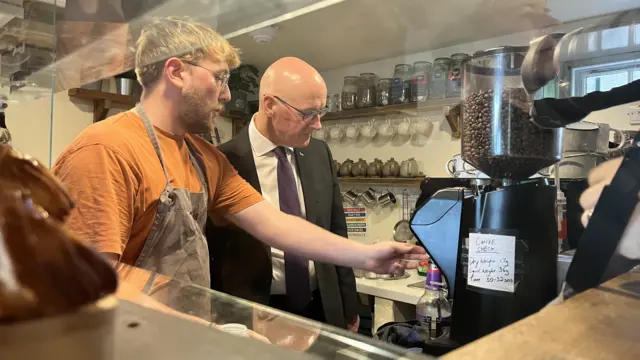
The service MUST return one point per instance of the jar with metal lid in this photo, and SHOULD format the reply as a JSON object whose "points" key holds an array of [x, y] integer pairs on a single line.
{"points": [[420, 80], [366, 94], [349, 91], [456, 71], [438, 78], [383, 91], [401, 84]]}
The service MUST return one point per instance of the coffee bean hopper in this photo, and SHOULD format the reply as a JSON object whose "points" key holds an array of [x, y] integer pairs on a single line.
{"points": [[496, 241]]}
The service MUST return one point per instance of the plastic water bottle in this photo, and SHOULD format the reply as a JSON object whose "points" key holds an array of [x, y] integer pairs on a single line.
{"points": [[433, 310]]}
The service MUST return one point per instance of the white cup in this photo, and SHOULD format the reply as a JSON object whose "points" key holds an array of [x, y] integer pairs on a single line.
{"points": [[336, 133], [423, 127], [405, 127], [235, 329], [370, 130], [352, 131], [386, 129]]}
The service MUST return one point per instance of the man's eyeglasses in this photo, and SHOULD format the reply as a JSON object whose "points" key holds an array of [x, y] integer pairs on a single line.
{"points": [[222, 79], [307, 115]]}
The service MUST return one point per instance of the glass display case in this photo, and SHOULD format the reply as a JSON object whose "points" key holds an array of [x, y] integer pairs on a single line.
{"points": [[248, 319]]}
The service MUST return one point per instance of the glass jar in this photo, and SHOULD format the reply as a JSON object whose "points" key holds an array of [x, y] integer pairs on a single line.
{"points": [[420, 80], [438, 78], [401, 84], [349, 91], [456, 71], [498, 136], [383, 91], [333, 103], [366, 94]]}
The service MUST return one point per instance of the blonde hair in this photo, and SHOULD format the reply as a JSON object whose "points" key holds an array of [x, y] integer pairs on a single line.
{"points": [[179, 37]]}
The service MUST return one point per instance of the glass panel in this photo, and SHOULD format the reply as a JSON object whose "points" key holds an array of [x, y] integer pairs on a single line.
{"points": [[615, 38], [213, 308], [606, 82], [27, 41], [636, 75]]}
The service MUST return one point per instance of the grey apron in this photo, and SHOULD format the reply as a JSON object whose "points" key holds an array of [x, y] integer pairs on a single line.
{"points": [[176, 246]]}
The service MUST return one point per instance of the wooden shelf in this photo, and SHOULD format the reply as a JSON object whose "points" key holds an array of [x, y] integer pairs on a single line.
{"points": [[103, 101], [399, 109], [377, 181]]}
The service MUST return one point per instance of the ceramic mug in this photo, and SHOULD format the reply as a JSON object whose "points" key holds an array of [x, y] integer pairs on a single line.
{"points": [[423, 127], [352, 131], [336, 132], [370, 130], [386, 129], [406, 128]]}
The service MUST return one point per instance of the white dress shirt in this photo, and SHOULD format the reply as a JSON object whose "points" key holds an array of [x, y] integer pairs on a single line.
{"points": [[267, 169]]}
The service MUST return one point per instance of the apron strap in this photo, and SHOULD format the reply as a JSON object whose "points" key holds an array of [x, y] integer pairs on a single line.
{"points": [[200, 169], [153, 137]]}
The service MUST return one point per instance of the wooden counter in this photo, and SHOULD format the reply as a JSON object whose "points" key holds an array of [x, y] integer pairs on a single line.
{"points": [[602, 323]]}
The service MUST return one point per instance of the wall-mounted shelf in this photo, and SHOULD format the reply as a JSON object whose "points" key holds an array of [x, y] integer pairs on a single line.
{"points": [[399, 109], [449, 106], [377, 181], [102, 101]]}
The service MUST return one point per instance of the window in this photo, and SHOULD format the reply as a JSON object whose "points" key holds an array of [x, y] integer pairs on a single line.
{"points": [[604, 77]]}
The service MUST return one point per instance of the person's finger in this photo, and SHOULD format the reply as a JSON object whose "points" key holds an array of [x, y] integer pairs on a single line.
{"points": [[400, 248], [410, 264], [604, 172], [584, 218], [590, 197]]}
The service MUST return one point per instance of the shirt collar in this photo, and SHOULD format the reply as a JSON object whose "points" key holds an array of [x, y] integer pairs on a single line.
{"points": [[259, 143]]}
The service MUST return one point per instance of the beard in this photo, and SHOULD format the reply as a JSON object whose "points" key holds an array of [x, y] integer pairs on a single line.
{"points": [[196, 113]]}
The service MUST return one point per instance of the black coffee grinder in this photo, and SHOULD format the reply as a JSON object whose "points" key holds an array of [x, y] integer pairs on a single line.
{"points": [[496, 241]]}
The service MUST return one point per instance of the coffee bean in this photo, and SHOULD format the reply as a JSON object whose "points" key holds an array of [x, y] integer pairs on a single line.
{"points": [[501, 141]]}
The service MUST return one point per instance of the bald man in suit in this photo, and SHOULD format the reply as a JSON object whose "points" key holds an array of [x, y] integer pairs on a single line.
{"points": [[278, 157]]}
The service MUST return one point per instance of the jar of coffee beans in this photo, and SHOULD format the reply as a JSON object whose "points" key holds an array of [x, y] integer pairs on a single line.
{"points": [[498, 137], [366, 93], [349, 91], [456, 71], [401, 84], [420, 81], [382, 91]]}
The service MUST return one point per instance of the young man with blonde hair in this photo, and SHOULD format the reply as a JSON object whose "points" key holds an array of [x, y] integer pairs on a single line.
{"points": [[144, 185]]}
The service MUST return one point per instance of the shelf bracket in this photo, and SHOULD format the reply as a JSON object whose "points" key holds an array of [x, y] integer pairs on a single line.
{"points": [[452, 114], [100, 110]]}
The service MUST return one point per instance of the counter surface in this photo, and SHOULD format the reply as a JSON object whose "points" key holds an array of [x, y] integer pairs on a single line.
{"points": [[601, 323], [396, 290]]}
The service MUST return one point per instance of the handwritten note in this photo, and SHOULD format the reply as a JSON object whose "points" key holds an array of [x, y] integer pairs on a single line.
{"points": [[492, 262]]}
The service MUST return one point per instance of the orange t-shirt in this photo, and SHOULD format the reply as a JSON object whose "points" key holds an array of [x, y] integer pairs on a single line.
{"points": [[115, 178]]}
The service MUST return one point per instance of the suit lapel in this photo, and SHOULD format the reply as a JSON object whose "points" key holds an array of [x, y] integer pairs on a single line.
{"points": [[306, 174], [246, 164]]}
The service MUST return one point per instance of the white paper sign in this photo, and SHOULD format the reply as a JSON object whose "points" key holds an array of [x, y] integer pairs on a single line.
{"points": [[492, 262]]}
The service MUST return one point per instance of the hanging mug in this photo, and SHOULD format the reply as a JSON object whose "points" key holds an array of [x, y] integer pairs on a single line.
{"points": [[405, 128], [423, 127], [336, 133], [386, 129], [352, 131], [387, 199], [370, 130], [351, 197]]}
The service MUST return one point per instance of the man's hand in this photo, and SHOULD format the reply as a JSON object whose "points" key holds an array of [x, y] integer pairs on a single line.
{"points": [[354, 325], [387, 257], [598, 179]]}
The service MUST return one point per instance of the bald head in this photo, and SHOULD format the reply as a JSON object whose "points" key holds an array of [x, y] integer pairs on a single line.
{"points": [[289, 89], [293, 80]]}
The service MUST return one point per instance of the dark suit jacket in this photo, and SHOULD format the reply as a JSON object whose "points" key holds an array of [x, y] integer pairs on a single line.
{"points": [[241, 265]]}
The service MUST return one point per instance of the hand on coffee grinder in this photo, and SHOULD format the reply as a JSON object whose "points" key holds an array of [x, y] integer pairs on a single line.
{"points": [[599, 178]]}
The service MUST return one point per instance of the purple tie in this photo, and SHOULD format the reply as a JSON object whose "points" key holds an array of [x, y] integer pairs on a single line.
{"points": [[296, 269]]}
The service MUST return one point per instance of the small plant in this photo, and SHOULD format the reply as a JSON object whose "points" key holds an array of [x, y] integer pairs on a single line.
{"points": [[244, 78]]}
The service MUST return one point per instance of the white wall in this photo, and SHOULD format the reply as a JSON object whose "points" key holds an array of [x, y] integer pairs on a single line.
{"points": [[434, 151]]}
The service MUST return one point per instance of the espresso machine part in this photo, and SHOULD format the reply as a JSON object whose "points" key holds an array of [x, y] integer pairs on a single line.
{"points": [[498, 137]]}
